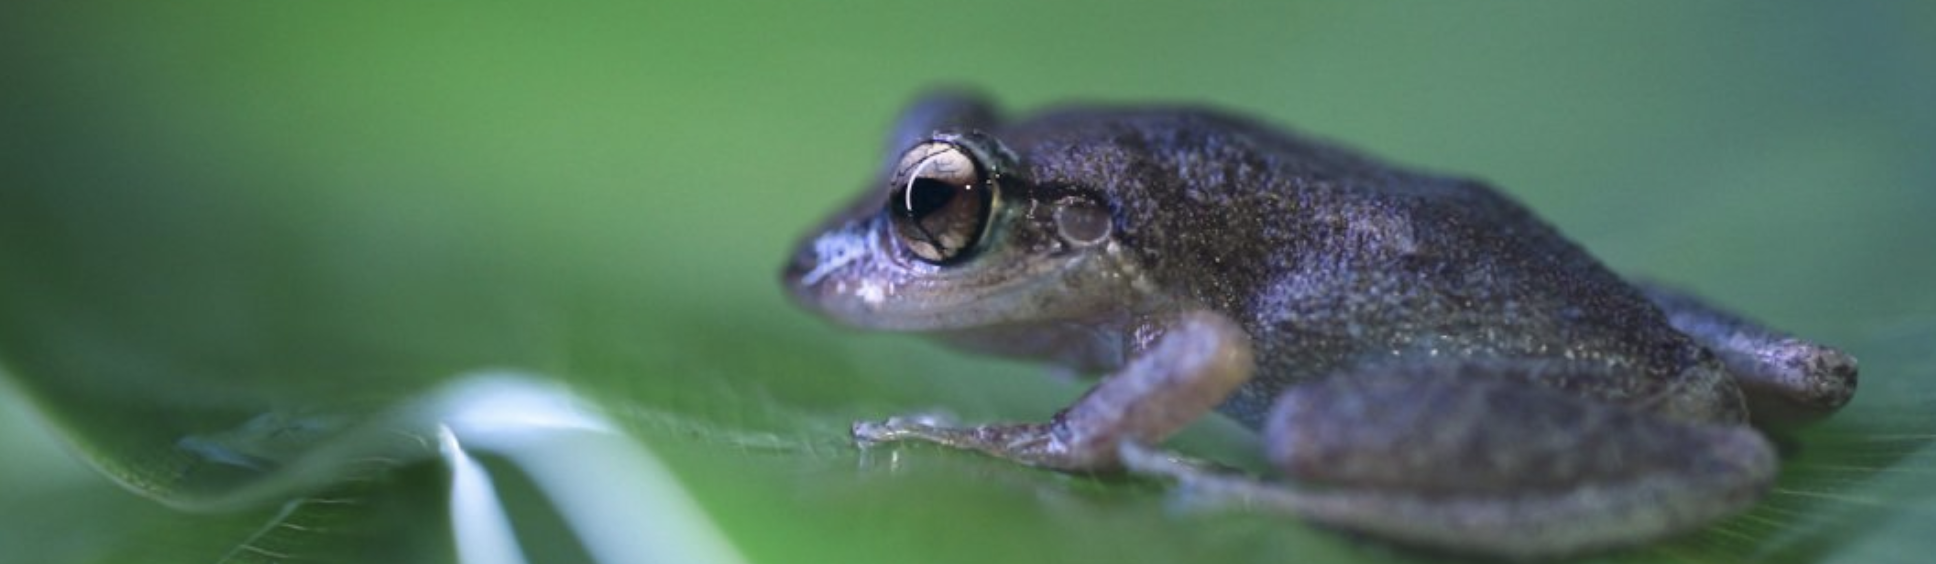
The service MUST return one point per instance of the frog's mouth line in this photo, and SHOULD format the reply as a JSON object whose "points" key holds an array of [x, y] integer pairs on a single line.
{"points": [[926, 304]]}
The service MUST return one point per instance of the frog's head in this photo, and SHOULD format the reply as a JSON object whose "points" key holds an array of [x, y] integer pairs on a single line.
{"points": [[958, 237]]}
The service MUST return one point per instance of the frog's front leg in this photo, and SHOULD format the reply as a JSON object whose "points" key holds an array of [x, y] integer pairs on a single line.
{"points": [[1453, 460], [1199, 360]]}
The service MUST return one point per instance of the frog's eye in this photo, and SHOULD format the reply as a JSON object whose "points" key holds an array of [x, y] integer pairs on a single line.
{"points": [[941, 202]]}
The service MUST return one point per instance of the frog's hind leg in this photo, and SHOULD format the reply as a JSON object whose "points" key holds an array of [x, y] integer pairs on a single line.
{"points": [[1447, 459], [1788, 381]]}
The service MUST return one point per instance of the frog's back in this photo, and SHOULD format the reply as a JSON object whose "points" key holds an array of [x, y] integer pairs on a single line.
{"points": [[1332, 260]]}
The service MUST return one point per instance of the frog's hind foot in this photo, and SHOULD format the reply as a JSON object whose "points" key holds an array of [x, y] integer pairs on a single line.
{"points": [[1788, 381], [1492, 467]]}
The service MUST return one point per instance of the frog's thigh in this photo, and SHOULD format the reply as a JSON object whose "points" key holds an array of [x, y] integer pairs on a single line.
{"points": [[1200, 359], [1787, 380], [1482, 465]]}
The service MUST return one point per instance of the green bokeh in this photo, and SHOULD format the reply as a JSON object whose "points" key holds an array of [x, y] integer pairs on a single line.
{"points": [[213, 209]]}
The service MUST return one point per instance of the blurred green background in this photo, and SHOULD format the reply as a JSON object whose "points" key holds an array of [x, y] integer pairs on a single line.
{"points": [[213, 210]]}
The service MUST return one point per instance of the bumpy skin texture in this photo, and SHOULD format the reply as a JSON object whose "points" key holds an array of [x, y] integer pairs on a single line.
{"points": [[1329, 259], [1428, 362]]}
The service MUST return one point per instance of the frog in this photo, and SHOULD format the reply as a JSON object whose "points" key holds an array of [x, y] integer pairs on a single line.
{"points": [[1422, 359]]}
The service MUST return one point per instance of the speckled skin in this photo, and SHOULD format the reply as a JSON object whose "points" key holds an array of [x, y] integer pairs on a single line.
{"points": [[1330, 260], [1427, 362]]}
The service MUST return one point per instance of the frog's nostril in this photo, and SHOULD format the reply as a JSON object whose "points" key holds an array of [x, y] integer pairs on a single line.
{"points": [[800, 265]]}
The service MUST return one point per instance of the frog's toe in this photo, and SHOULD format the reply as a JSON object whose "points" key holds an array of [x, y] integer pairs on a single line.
{"points": [[1792, 382], [902, 427], [1788, 381]]}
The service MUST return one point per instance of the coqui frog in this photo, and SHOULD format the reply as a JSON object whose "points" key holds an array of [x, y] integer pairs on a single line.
{"points": [[1425, 361]]}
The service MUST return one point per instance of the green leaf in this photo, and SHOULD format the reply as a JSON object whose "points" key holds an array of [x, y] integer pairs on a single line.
{"points": [[257, 258]]}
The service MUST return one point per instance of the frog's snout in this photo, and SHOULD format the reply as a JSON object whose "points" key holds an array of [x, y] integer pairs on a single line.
{"points": [[800, 276], [809, 274], [797, 267]]}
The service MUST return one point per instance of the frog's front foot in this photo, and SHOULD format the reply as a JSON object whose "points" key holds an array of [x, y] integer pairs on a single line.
{"points": [[914, 426], [1034, 444], [1195, 364]]}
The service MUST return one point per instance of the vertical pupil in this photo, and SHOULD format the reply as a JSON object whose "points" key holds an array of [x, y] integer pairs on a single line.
{"points": [[927, 196]]}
